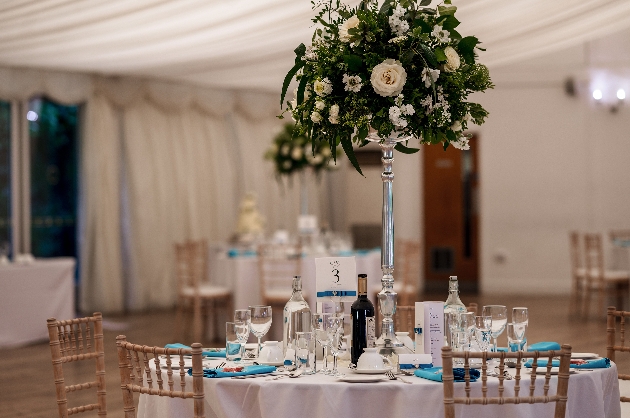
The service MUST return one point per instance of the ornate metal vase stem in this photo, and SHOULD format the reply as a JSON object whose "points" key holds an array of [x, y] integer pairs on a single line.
{"points": [[387, 343]]}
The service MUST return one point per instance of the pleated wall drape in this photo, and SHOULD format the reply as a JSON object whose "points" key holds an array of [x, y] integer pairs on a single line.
{"points": [[161, 163]]}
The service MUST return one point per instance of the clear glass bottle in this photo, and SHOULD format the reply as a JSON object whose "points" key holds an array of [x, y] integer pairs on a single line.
{"points": [[296, 316], [453, 304]]}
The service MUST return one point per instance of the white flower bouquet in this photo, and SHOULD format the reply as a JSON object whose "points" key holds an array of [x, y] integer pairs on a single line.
{"points": [[400, 69], [293, 153]]}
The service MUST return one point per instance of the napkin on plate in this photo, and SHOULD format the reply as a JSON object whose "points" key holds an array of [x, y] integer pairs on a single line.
{"points": [[435, 373], [600, 363], [541, 346], [212, 373], [211, 352]]}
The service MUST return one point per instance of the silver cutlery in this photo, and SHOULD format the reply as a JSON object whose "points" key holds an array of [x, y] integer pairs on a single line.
{"points": [[253, 376], [392, 376], [291, 375]]}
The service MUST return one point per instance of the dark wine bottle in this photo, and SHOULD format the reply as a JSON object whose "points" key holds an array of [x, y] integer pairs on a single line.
{"points": [[363, 325]]}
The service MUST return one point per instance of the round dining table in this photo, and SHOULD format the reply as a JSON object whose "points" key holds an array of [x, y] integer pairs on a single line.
{"points": [[592, 394]]}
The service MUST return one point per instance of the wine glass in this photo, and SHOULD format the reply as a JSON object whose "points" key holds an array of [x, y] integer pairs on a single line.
{"points": [[498, 313], [520, 319], [242, 319], [260, 322], [483, 329], [320, 328], [335, 334]]}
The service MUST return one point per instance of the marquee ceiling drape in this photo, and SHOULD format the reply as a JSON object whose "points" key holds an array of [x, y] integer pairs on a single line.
{"points": [[248, 44]]}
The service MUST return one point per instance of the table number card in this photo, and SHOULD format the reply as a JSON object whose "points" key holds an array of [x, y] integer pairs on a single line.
{"points": [[336, 277], [434, 330]]}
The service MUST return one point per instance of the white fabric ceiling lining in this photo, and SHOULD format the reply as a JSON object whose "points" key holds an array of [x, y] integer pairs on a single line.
{"points": [[249, 44]]}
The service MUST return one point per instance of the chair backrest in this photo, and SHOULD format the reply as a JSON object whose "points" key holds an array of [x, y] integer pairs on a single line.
{"points": [[611, 343], [560, 398], [133, 362], [277, 264], [472, 307], [76, 340], [594, 256], [408, 268], [405, 319], [191, 261], [620, 254], [575, 252]]}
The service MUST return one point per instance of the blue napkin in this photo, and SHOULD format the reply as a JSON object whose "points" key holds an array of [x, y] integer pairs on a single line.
{"points": [[435, 373], [541, 346], [213, 352], [600, 363], [212, 373]]}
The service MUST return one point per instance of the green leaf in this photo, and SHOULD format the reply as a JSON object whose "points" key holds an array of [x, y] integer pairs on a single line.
{"points": [[405, 150], [299, 52], [346, 143], [363, 132], [428, 55], [354, 62], [446, 144], [466, 47], [424, 26], [426, 2], [451, 136], [454, 34], [447, 10], [440, 55], [288, 78], [386, 7], [450, 22], [300, 91]]}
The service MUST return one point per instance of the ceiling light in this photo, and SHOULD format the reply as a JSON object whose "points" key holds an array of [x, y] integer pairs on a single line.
{"points": [[32, 116], [621, 94]]}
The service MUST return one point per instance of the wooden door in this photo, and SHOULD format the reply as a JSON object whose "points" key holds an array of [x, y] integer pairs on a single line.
{"points": [[451, 217]]}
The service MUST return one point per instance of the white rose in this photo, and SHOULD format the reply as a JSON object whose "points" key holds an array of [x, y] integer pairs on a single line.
{"points": [[323, 87], [334, 110], [353, 22], [333, 119], [388, 78], [457, 126], [452, 59], [320, 105], [316, 117], [297, 153]]}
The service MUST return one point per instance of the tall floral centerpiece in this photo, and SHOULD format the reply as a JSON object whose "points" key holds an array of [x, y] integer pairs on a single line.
{"points": [[397, 74]]}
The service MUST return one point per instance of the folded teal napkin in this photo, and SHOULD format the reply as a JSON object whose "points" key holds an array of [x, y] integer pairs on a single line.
{"points": [[435, 373], [212, 373], [600, 363], [544, 346], [210, 352]]}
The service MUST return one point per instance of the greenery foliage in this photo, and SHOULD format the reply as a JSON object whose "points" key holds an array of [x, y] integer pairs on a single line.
{"points": [[401, 68]]}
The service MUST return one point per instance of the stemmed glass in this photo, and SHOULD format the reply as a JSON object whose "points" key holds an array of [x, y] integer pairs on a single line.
{"points": [[498, 313], [321, 323], [242, 319], [520, 321], [260, 322], [483, 329], [335, 333]]}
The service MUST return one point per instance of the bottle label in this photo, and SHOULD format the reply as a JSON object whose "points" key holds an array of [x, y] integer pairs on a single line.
{"points": [[370, 332]]}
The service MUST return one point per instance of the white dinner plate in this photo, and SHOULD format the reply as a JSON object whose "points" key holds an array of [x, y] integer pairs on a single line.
{"points": [[355, 378], [554, 370], [271, 363], [251, 346], [585, 355], [372, 371]]}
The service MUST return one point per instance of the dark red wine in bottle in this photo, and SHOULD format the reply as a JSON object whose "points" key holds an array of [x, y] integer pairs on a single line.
{"points": [[363, 325]]}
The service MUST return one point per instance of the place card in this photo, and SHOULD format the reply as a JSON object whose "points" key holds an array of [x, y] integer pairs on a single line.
{"points": [[415, 361], [336, 277], [432, 329]]}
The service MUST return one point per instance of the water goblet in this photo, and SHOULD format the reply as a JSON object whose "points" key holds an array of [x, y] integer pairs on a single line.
{"points": [[335, 332], [232, 344], [320, 329], [452, 323], [498, 313], [467, 323], [242, 319], [260, 322], [515, 342], [520, 319], [483, 329]]}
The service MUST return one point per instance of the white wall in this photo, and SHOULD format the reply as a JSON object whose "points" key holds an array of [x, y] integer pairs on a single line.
{"points": [[549, 163]]}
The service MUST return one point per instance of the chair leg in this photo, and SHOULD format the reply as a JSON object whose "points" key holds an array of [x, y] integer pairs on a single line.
{"points": [[574, 304], [603, 292], [587, 300], [197, 320], [179, 316]]}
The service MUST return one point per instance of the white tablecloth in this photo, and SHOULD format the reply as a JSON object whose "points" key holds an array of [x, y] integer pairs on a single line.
{"points": [[241, 275], [30, 294], [592, 394]]}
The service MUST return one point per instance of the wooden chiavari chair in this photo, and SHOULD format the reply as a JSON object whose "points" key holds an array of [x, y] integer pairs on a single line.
{"points": [[560, 398], [277, 265], [76, 340], [598, 278], [133, 362], [195, 294], [405, 319], [578, 273], [611, 347]]}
